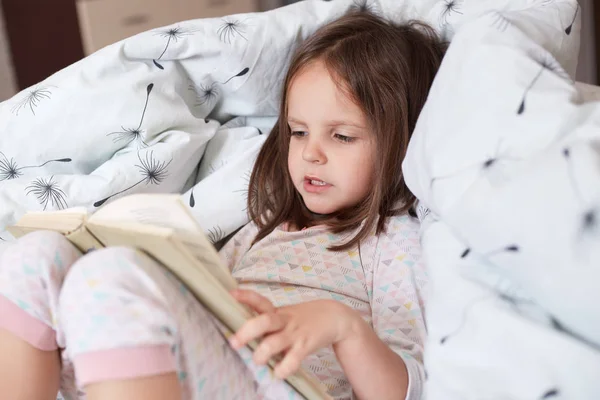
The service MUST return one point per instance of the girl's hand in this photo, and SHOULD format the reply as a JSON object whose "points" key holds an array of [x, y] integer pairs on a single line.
{"points": [[294, 331]]}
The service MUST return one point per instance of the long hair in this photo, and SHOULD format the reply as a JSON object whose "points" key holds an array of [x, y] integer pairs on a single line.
{"points": [[387, 70]]}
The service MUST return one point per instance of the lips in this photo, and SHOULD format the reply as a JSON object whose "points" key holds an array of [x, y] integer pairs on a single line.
{"points": [[312, 184]]}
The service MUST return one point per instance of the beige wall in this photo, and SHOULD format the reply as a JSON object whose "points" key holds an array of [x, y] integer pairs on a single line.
{"points": [[8, 86]]}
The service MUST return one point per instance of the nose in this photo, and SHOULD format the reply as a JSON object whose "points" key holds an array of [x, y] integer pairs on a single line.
{"points": [[313, 151]]}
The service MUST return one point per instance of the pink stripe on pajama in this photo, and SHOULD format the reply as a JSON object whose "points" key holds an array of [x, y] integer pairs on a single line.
{"points": [[129, 363], [18, 322]]}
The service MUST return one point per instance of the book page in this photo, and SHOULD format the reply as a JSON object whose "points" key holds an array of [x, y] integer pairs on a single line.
{"points": [[162, 210], [63, 221]]}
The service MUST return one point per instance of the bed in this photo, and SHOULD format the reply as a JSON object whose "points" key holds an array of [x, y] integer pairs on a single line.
{"points": [[505, 161]]}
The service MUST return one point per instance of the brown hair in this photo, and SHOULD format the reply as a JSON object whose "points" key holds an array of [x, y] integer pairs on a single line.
{"points": [[387, 70]]}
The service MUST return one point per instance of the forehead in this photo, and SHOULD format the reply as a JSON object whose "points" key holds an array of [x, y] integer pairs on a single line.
{"points": [[314, 96]]}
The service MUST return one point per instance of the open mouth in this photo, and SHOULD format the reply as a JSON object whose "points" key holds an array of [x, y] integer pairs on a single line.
{"points": [[315, 185]]}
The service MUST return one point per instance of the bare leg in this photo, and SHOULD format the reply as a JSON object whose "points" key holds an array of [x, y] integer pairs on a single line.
{"points": [[159, 387], [27, 373]]}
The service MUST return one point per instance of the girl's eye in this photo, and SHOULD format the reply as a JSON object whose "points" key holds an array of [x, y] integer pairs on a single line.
{"points": [[299, 133], [345, 139]]}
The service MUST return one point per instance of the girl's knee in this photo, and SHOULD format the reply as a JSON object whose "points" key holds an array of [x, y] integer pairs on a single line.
{"points": [[41, 256], [109, 264], [107, 257], [38, 242], [50, 237], [109, 293], [110, 270]]}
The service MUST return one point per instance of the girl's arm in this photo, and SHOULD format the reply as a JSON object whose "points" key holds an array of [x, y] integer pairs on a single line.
{"points": [[372, 368], [387, 360]]}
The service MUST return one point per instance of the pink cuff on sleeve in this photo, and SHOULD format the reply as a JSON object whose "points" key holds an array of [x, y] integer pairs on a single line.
{"points": [[121, 364], [23, 325]]}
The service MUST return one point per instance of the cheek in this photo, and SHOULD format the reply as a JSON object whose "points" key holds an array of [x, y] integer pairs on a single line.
{"points": [[362, 177], [363, 170], [292, 157]]}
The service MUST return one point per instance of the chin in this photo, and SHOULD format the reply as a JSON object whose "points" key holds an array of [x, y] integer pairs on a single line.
{"points": [[323, 209]]}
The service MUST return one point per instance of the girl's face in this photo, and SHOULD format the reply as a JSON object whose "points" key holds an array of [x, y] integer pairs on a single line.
{"points": [[331, 153]]}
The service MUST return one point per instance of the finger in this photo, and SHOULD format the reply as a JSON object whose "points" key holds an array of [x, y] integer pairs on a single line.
{"points": [[256, 328], [254, 300], [291, 362], [270, 346]]}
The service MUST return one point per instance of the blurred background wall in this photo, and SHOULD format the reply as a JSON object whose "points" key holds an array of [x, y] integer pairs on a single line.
{"points": [[40, 37]]}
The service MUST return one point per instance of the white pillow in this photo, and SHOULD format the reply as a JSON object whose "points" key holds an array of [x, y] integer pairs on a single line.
{"points": [[506, 154]]}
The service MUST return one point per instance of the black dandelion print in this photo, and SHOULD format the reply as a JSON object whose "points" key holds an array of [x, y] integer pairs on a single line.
{"points": [[422, 212], [9, 169], [215, 234], [61, 160], [500, 20], [246, 190], [590, 219], [572, 18], [547, 63], [484, 166], [513, 248], [134, 134], [550, 394], [521, 108], [463, 320], [47, 191], [153, 172], [32, 100], [450, 7], [207, 94], [211, 170], [172, 35], [230, 29], [570, 27], [192, 198], [363, 6], [563, 329], [239, 74]]}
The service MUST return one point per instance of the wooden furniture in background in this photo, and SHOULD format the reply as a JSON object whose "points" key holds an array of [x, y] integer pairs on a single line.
{"points": [[596, 11], [46, 36], [104, 22], [43, 36]]}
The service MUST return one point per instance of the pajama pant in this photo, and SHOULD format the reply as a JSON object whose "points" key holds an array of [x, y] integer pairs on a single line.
{"points": [[117, 314]]}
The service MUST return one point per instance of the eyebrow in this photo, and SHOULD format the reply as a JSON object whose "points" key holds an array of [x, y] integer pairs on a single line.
{"points": [[330, 123]]}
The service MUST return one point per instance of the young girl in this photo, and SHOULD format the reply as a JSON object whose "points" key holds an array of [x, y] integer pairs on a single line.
{"points": [[330, 260]]}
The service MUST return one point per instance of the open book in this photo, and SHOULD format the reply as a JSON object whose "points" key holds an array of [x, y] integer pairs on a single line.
{"points": [[161, 226]]}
